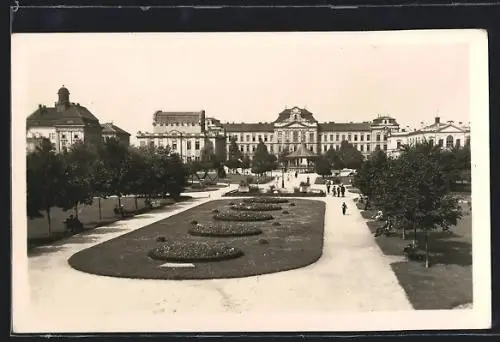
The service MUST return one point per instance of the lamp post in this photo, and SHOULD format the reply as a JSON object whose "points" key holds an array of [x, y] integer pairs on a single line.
{"points": [[283, 175]]}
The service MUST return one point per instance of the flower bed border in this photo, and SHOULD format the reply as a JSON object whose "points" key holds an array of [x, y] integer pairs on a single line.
{"points": [[251, 232], [236, 254], [235, 193], [233, 216]]}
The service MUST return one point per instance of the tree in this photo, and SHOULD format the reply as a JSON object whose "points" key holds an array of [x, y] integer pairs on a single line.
{"points": [[282, 156], [349, 156], [420, 193], [371, 177], [111, 169], [45, 175], [333, 158], [235, 155], [246, 161], [322, 166], [207, 157], [79, 176], [261, 160]]}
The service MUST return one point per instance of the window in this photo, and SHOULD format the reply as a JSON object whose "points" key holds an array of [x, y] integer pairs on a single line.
{"points": [[248, 138], [449, 141], [311, 148], [248, 148], [303, 136], [241, 137], [367, 148], [265, 137], [311, 137], [270, 137], [377, 147], [355, 137], [368, 137], [271, 149], [331, 146], [398, 144], [295, 136], [348, 137], [151, 143], [63, 136], [431, 142], [343, 137], [324, 148], [253, 148], [188, 145], [385, 147], [458, 143], [174, 145], [197, 145], [361, 148], [336, 147], [188, 159], [361, 137], [385, 137], [337, 137], [260, 138], [235, 138], [253, 138], [242, 148], [331, 137], [325, 137], [378, 137]]}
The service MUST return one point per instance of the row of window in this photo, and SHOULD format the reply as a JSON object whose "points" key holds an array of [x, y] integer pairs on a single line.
{"points": [[296, 136], [450, 141]]}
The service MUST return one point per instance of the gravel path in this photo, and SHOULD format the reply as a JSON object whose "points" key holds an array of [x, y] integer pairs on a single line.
{"points": [[352, 275]]}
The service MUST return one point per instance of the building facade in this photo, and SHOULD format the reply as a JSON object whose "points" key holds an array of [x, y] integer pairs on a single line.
{"points": [[446, 135], [64, 124], [184, 132], [110, 130], [295, 127]]}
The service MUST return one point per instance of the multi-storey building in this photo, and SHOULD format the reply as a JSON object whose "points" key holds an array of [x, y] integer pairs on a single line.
{"points": [[186, 133], [64, 124], [295, 127], [446, 135], [110, 130]]}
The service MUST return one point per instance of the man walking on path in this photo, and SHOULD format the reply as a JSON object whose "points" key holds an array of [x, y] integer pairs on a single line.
{"points": [[338, 190], [328, 186], [344, 208], [342, 189]]}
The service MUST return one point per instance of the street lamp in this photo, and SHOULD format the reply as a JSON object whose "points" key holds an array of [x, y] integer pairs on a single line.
{"points": [[283, 175]]}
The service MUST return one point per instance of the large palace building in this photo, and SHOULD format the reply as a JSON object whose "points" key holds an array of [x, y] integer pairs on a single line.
{"points": [[185, 133]]}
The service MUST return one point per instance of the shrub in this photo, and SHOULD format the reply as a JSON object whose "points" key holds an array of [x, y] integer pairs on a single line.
{"points": [[231, 203], [194, 222], [222, 230], [292, 204], [263, 242], [256, 207], [193, 251], [215, 211], [276, 223], [285, 212], [161, 239], [265, 200], [243, 216]]}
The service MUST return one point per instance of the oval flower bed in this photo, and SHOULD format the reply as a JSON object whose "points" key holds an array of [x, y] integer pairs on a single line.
{"points": [[242, 216], [222, 230], [274, 200], [255, 207], [193, 251]]}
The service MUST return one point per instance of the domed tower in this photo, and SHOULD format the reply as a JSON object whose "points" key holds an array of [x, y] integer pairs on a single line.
{"points": [[63, 100]]}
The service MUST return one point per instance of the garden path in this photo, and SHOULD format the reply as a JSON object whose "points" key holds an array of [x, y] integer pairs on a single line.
{"points": [[351, 276]]}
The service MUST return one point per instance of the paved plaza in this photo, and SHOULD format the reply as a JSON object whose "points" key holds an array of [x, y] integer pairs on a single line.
{"points": [[352, 275]]}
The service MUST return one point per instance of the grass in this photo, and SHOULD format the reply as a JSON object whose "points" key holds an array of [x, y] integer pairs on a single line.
{"points": [[206, 189], [38, 229], [343, 179], [237, 178], [296, 243], [448, 282]]}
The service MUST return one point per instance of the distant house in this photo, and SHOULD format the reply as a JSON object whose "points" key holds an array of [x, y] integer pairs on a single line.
{"points": [[64, 124], [67, 123], [110, 130], [444, 134]]}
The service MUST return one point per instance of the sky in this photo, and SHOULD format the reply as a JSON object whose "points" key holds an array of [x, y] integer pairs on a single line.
{"points": [[412, 76]]}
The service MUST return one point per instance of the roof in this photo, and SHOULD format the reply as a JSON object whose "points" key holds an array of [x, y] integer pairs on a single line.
{"points": [[74, 114], [301, 152], [177, 117], [344, 127], [304, 113], [249, 127], [379, 120], [109, 127]]}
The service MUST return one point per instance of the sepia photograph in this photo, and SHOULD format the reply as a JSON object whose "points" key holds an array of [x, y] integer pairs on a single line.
{"points": [[197, 182]]}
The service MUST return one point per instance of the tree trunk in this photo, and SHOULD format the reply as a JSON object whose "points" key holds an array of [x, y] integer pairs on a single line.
{"points": [[414, 235], [404, 232], [426, 237], [47, 211], [100, 209], [136, 204], [76, 210]]}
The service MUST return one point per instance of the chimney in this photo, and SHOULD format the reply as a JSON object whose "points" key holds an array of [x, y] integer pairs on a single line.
{"points": [[436, 120]]}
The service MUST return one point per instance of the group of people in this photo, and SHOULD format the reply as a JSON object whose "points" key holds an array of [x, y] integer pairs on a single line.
{"points": [[73, 224], [336, 190]]}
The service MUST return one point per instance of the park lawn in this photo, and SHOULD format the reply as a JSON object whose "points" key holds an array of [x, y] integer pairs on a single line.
{"points": [[206, 189], [295, 243], [237, 178], [448, 282], [346, 180]]}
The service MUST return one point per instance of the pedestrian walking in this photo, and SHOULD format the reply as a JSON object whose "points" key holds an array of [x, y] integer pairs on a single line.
{"points": [[342, 190], [338, 190], [344, 208], [328, 184]]}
